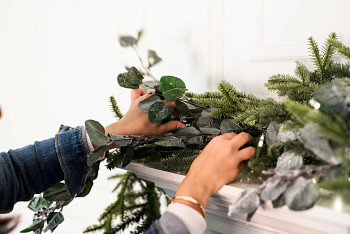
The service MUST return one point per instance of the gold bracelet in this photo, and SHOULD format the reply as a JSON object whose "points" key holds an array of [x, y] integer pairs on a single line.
{"points": [[192, 200]]}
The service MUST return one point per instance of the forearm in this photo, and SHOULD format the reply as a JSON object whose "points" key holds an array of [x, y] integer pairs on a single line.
{"points": [[35, 168]]}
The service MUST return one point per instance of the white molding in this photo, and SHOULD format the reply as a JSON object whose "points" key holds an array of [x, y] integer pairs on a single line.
{"points": [[268, 220]]}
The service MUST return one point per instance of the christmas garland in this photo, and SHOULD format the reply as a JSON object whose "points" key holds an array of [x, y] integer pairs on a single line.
{"points": [[301, 143]]}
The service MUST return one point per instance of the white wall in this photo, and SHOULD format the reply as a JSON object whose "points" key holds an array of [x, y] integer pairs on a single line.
{"points": [[59, 59]]}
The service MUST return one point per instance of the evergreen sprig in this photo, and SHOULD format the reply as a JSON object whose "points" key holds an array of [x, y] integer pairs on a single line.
{"points": [[114, 107], [133, 209]]}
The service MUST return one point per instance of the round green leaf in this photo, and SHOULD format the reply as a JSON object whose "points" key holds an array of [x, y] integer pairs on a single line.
{"points": [[37, 203], [159, 112], [131, 79], [58, 192], [126, 41], [96, 132], [146, 104], [173, 94], [94, 155], [170, 82]]}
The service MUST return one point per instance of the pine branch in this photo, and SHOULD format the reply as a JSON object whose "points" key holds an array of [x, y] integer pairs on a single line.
{"points": [[341, 48], [114, 107], [328, 51], [315, 55], [339, 70]]}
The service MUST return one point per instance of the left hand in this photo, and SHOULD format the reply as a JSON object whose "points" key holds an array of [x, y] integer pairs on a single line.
{"points": [[135, 121]]}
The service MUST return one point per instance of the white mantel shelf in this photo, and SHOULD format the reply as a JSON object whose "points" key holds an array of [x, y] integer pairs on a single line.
{"points": [[268, 220]]}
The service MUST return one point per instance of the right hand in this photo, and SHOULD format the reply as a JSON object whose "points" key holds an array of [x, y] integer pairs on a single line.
{"points": [[218, 164]]}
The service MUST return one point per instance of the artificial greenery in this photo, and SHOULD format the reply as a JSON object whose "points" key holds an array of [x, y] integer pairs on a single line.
{"points": [[303, 140]]}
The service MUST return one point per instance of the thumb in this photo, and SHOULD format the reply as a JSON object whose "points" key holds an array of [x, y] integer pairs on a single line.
{"points": [[171, 126]]}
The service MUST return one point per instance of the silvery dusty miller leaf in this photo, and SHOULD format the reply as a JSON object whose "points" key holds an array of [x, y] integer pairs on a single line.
{"points": [[301, 195], [246, 203], [289, 161], [271, 134], [273, 189], [318, 145]]}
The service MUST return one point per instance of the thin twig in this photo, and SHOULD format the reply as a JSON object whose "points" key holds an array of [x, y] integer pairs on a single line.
{"points": [[146, 68]]}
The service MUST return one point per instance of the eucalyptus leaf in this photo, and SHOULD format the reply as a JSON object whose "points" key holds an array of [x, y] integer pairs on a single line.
{"points": [[139, 34], [96, 132], [301, 195], [228, 125], [250, 215], [182, 107], [58, 192], [205, 122], [167, 83], [153, 58], [171, 142], [272, 133], [37, 203], [289, 160], [37, 226], [159, 112], [126, 41], [146, 104], [121, 140], [246, 203], [131, 79], [148, 85], [173, 94], [94, 155], [197, 140], [211, 131], [318, 145], [55, 220], [279, 202], [129, 155], [87, 188], [188, 131], [273, 189]]}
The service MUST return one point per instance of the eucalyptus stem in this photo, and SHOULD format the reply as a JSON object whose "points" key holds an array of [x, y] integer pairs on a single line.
{"points": [[145, 68]]}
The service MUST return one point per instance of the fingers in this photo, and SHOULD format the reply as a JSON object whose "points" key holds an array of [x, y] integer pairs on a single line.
{"points": [[246, 153], [136, 93], [171, 126], [229, 135], [241, 139]]}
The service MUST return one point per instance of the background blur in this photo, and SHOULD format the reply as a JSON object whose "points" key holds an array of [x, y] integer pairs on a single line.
{"points": [[59, 60]]}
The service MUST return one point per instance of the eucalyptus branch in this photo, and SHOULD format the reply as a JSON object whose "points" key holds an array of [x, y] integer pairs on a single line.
{"points": [[308, 171], [145, 68]]}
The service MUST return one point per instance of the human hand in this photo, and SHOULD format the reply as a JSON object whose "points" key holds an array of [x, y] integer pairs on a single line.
{"points": [[135, 121], [218, 164]]}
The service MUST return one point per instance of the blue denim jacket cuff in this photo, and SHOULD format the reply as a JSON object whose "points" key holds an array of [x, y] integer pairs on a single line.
{"points": [[72, 154]]}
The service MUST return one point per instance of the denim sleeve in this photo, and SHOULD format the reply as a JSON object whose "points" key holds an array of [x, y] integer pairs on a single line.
{"points": [[35, 168], [168, 224]]}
